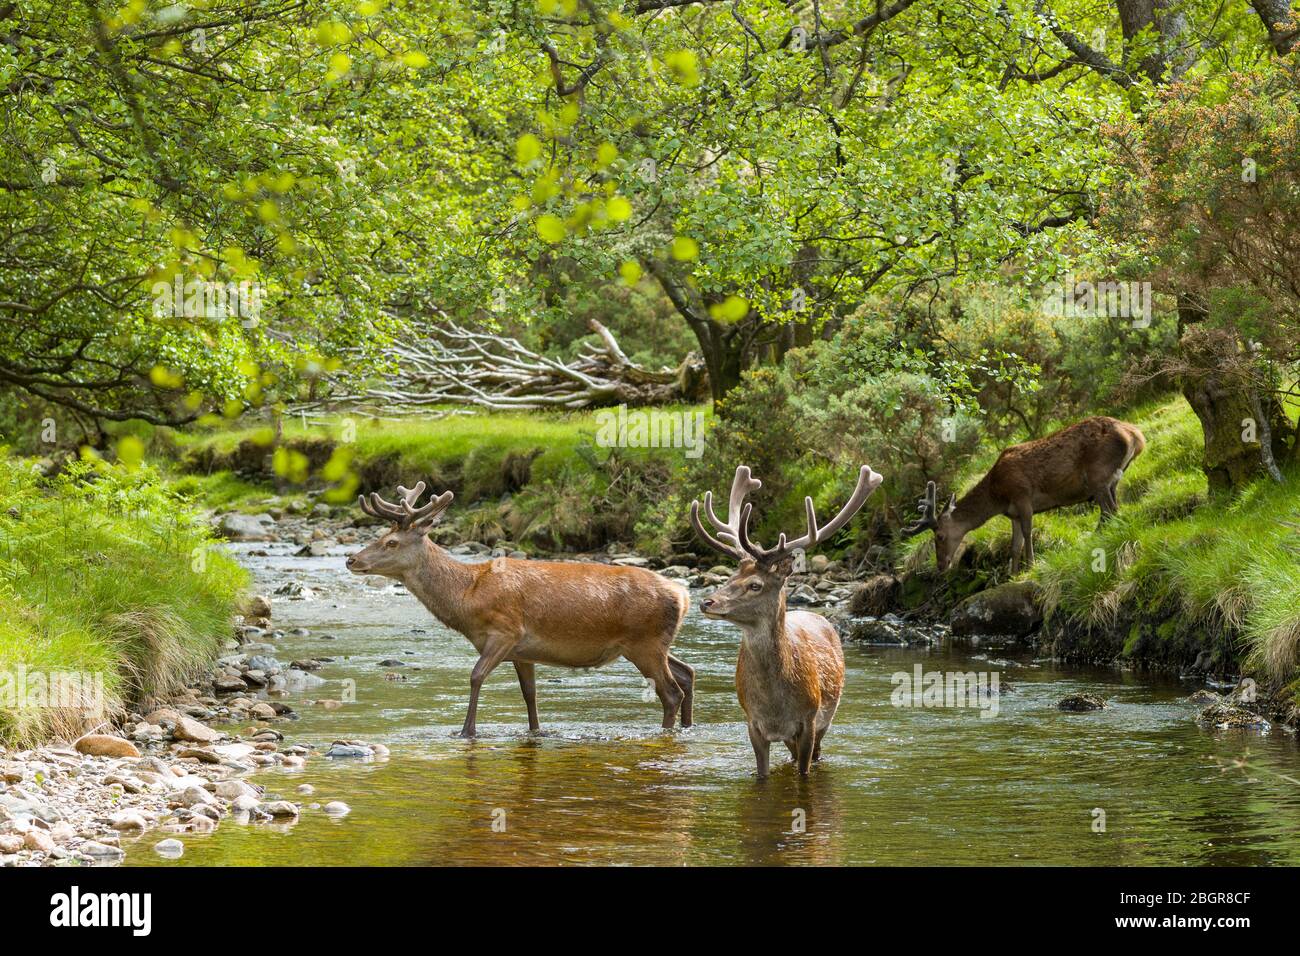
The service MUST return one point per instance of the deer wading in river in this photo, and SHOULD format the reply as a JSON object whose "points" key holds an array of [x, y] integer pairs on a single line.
{"points": [[570, 614], [1083, 462], [790, 670]]}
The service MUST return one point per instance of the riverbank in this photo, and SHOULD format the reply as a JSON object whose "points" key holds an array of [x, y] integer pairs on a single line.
{"points": [[174, 768], [1177, 583]]}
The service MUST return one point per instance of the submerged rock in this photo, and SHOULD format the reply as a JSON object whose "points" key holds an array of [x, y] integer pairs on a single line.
{"points": [[1081, 702], [169, 849]]}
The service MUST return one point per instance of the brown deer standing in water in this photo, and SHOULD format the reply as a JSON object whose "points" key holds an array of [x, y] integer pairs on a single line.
{"points": [[790, 670], [1082, 462], [534, 612]]}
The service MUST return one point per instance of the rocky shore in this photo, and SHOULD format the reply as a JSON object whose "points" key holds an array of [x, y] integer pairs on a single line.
{"points": [[181, 768]]}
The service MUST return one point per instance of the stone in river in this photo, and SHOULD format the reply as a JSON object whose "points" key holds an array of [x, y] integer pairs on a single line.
{"points": [[1081, 702], [129, 820], [348, 750], [101, 851], [337, 808], [261, 662], [245, 803], [1225, 716], [234, 789], [195, 796], [169, 849], [262, 711], [281, 808]]}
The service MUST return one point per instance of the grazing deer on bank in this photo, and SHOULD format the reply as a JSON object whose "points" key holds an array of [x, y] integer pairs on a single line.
{"points": [[790, 670], [533, 612], [1083, 462]]}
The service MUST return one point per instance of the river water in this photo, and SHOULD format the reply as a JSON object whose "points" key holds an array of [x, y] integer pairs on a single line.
{"points": [[604, 784]]}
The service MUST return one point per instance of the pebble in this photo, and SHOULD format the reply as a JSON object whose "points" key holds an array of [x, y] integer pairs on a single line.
{"points": [[337, 808]]}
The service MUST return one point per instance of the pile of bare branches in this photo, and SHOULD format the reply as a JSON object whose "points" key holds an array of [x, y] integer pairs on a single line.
{"points": [[463, 367]]}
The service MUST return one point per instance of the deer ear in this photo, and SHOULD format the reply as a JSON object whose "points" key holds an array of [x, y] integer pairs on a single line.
{"points": [[784, 566]]}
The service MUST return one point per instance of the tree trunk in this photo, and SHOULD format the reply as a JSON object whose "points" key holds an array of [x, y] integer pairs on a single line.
{"points": [[1244, 434]]}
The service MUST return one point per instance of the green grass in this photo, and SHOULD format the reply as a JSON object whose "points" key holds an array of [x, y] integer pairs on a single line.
{"points": [[103, 574], [1181, 563], [425, 442], [221, 491]]}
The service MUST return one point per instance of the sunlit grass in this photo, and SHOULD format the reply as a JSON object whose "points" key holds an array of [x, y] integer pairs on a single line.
{"points": [[112, 578]]}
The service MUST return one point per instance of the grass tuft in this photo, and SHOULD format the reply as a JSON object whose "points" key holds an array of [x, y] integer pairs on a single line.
{"points": [[108, 582]]}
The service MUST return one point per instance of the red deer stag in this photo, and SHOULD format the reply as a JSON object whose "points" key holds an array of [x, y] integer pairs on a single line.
{"points": [[790, 670], [533, 612], [1083, 462]]}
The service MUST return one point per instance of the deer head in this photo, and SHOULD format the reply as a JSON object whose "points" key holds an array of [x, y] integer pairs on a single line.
{"points": [[754, 592], [947, 536], [401, 548]]}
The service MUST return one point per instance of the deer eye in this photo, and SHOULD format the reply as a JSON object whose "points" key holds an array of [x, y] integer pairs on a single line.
{"points": [[755, 586], [390, 543]]}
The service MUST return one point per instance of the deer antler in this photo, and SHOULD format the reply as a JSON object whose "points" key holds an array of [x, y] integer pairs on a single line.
{"points": [[733, 535], [929, 510], [404, 514], [733, 532], [868, 482]]}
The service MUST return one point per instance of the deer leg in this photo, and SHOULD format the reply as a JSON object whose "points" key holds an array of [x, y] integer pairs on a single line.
{"points": [[528, 684], [494, 652], [817, 744], [762, 750], [1028, 532], [803, 748], [657, 670], [1017, 542], [684, 674]]}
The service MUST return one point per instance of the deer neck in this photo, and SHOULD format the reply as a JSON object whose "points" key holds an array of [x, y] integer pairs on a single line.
{"points": [[766, 638], [440, 582], [974, 509]]}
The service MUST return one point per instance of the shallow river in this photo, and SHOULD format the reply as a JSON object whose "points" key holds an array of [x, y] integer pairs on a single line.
{"points": [[604, 784]]}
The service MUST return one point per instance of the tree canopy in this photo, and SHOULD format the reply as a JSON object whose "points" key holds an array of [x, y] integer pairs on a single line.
{"points": [[768, 167]]}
